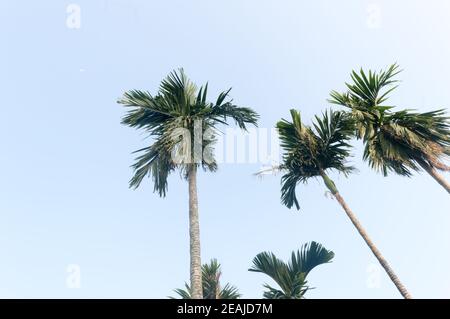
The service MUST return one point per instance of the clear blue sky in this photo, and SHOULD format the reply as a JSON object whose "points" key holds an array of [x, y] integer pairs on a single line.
{"points": [[64, 169]]}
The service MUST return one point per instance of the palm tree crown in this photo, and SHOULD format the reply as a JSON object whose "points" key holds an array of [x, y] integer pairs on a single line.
{"points": [[398, 141], [212, 289], [308, 152], [291, 276], [179, 104]]}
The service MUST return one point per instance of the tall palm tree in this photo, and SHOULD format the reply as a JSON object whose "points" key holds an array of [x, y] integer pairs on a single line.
{"points": [[398, 141], [291, 277], [312, 152], [212, 289], [182, 123]]}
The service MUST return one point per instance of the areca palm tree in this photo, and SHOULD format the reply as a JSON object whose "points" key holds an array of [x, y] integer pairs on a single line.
{"points": [[291, 276], [212, 289], [312, 152], [398, 141], [182, 124]]}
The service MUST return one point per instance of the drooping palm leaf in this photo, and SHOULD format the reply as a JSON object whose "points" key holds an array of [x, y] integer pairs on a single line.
{"points": [[308, 257], [269, 264]]}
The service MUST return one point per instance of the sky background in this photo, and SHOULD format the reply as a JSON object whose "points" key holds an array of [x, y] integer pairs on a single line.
{"points": [[64, 165]]}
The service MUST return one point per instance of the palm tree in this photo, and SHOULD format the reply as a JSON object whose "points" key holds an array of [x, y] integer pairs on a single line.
{"points": [[212, 289], [398, 141], [291, 277], [178, 114], [311, 153]]}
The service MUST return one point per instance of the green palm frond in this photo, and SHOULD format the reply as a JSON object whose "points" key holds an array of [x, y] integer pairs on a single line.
{"points": [[310, 151], [155, 161], [367, 90], [178, 92], [183, 293], [229, 292], [273, 293], [308, 257], [211, 280], [146, 111], [289, 183], [212, 289], [334, 130], [241, 115], [291, 277], [269, 264]]}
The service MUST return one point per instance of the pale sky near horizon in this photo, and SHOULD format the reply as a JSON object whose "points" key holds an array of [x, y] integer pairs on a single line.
{"points": [[64, 169]]}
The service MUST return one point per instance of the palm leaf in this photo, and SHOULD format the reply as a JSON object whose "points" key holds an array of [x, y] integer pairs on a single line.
{"points": [[291, 278]]}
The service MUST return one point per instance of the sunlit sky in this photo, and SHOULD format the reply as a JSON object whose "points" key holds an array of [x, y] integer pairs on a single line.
{"points": [[64, 169]]}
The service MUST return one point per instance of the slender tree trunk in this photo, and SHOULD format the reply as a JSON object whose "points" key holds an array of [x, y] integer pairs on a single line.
{"points": [[194, 234], [438, 177], [332, 187]]}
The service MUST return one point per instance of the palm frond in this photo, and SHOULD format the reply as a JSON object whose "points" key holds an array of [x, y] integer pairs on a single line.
{"points": [[273, 293], [229, 292], [369, 90], [269, 264], [178, 92], [308, 257], [211, 274], [289, 183], [153, 161], [183, 293], [211, 279], [291, 278], [146, 111], [222, 110]]}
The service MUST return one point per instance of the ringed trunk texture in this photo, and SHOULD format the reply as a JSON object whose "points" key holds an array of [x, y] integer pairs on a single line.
{"points": [[194, 235], [332, 187], [438, 177]]}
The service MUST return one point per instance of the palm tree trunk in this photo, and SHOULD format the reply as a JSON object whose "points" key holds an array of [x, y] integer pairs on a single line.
{"points": [[332, 187], [438, 177], [194, 234]]}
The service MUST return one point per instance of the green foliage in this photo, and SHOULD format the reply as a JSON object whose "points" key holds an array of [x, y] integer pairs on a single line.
{"points": [[211, 274], [175, 109], [398, 141], [310, 151], [291, 277]]}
